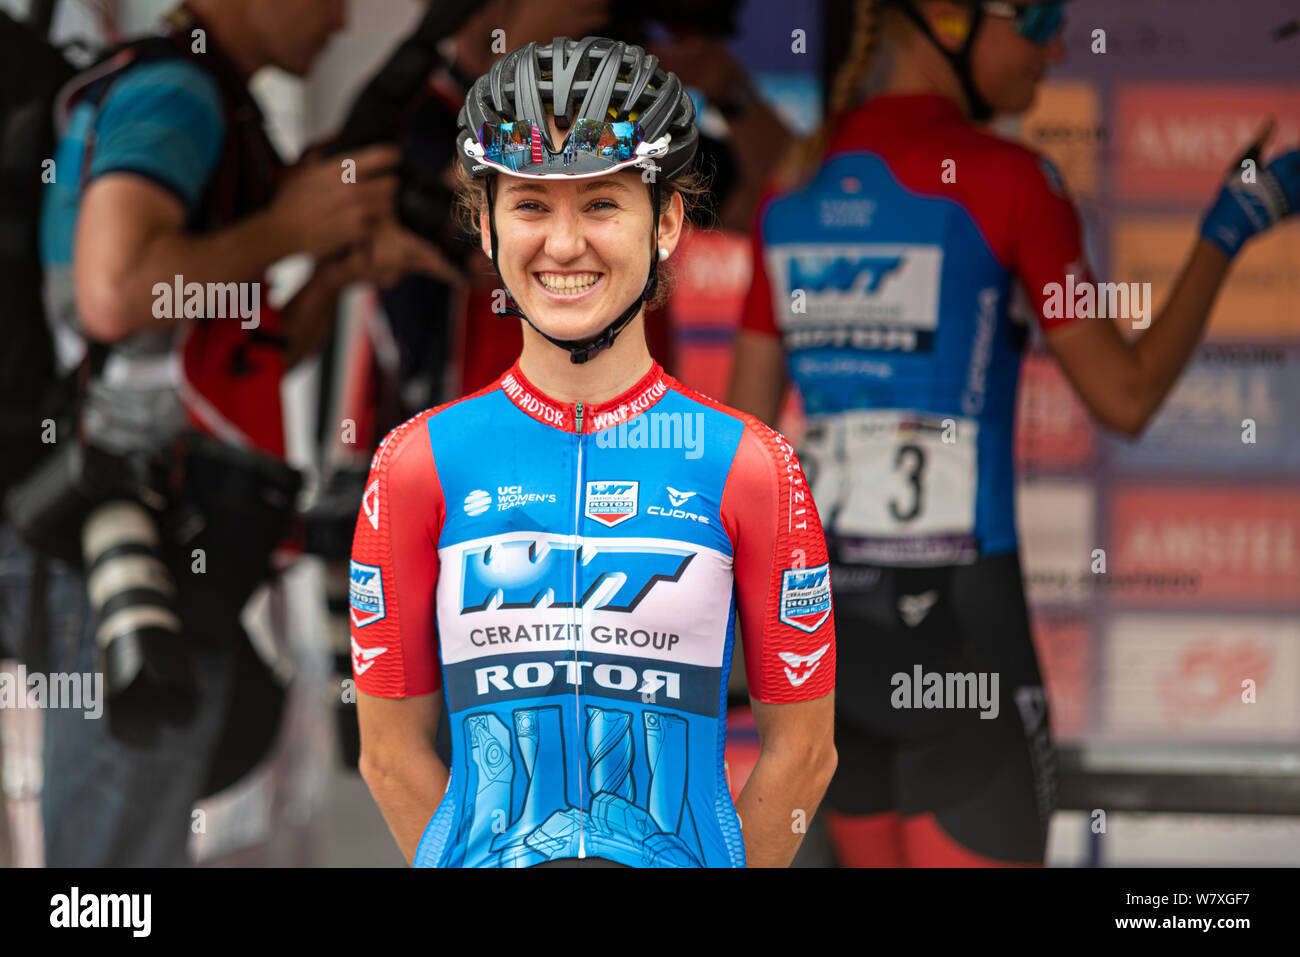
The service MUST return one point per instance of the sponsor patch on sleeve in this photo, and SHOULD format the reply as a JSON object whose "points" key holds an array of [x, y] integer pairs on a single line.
{"points": [[366, 594], [805, 597]]}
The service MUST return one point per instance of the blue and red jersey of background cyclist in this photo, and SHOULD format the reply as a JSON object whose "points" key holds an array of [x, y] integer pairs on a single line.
{"points": [[574, 590], [901, 279]]}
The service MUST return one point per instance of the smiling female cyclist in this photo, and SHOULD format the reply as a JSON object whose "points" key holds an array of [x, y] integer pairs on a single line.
{"points": [[565, 554], [893, 277]]}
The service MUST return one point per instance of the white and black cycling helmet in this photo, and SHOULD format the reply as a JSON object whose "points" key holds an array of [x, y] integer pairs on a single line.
{"points": [[616, 110]]}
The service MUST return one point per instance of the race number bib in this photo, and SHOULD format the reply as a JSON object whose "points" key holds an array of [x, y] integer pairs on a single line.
{"points": [[895, 487]]}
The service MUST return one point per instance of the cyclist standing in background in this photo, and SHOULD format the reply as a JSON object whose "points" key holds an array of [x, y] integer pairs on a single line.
{"points": [[894, 275], [565, 553]]}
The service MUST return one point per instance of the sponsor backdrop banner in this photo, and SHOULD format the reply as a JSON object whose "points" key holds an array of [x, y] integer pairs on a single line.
{"points": [[1185, 627]]}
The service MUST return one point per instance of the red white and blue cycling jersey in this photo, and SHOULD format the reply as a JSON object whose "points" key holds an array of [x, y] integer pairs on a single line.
{"points": [[577, 572], [901, 279]]}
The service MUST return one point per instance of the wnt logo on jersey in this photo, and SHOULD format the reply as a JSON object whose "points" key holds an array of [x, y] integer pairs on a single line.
{"points": [[885, 287], [806, 597], [611, 502], [529, 574], [366, 594], [819, 273]]}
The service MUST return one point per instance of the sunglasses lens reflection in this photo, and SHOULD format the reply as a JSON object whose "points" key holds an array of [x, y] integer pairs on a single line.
{"points": [[589, 146]]}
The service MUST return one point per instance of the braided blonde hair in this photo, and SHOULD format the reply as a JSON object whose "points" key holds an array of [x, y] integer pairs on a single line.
{"points": [[806, 154]]}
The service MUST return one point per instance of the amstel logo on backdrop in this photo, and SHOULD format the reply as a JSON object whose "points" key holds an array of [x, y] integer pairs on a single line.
{"points": [[1176, 141], [1242, 543]]}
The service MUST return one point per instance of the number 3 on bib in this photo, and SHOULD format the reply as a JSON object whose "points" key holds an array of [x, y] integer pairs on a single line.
{"points": [[895, 487]]}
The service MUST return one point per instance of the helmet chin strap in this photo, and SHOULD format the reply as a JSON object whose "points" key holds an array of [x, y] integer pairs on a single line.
{"points": [[580, 352], [980, 108]]}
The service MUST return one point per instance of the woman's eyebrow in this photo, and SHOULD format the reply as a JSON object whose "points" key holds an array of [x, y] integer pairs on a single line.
{"points": [[585, 187], [598, 184]]}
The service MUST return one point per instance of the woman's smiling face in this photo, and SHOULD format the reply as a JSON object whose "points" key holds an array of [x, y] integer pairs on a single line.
{"points": [[574, 253]]}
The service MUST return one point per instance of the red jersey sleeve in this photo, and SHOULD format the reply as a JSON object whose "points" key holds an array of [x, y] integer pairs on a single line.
{"points": [[394, 568], [757, 316], [782, 573], [1048, 240]]}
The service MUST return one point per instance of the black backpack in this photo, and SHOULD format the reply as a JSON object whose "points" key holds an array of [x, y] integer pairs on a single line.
{"points": [[32, 72]]}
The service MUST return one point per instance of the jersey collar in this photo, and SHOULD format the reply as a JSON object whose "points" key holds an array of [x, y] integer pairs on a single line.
{"points": [[648, 390]]}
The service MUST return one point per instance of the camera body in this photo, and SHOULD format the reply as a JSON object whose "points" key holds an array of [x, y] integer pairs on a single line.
{"points": [[128, 520], [386, 111], [99, 511], [50, 507]]}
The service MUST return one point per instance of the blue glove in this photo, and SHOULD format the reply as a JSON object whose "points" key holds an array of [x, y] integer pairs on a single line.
{"points": [[1243, 210]]}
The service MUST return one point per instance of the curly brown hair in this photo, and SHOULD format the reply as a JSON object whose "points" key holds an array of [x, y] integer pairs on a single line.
{"points": [[691, 185]]}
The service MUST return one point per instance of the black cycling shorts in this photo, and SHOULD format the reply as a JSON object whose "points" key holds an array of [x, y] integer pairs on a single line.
{"points": [[982, 762]]}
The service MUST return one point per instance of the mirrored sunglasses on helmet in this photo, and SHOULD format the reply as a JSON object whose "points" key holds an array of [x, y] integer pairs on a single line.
{"points": [[1039, 23], [590, 148]]}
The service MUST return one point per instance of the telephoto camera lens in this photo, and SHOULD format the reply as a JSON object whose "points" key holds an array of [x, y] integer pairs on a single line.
{"points": [[149, 665]]}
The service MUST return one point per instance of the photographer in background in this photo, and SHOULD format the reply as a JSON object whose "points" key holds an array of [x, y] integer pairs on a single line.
{"points": [[167, 180]]}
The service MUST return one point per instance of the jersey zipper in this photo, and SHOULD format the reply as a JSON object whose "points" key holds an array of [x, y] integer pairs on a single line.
{"points": [[575, 633]]}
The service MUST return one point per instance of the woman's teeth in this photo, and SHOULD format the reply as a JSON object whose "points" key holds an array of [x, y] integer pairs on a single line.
{"points": [[570, 284]]}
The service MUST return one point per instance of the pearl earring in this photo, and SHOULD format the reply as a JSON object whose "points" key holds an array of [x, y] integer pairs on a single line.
{"points": [[663, 253]]}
